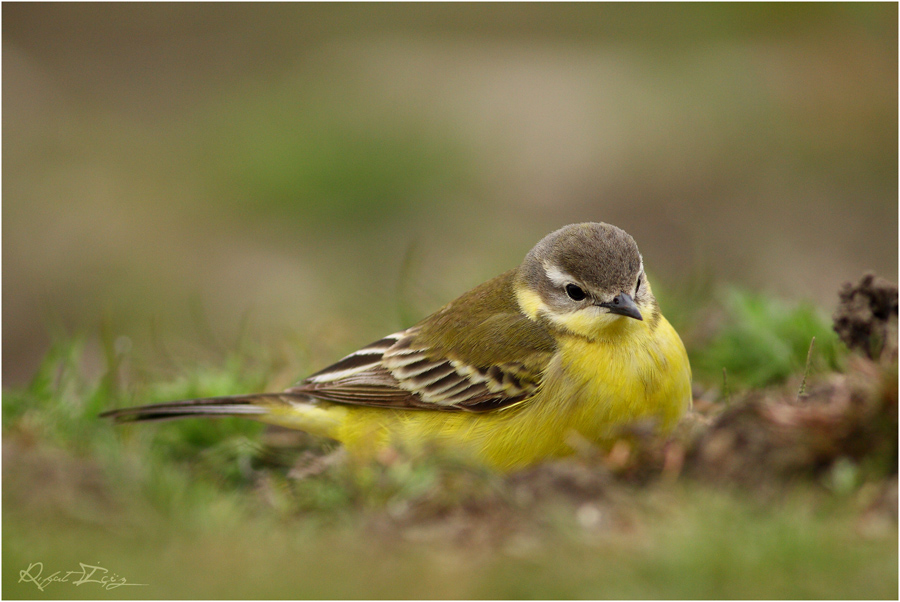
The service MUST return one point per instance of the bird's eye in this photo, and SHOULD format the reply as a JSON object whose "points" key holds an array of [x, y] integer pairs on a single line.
{"points": [[575, 293], [638, 287]]}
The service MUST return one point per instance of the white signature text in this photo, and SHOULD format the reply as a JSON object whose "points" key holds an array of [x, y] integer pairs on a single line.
{"points": [[86, 574]]}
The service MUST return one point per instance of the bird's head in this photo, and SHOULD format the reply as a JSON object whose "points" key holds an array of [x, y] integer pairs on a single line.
{"points": [[586, 279]]}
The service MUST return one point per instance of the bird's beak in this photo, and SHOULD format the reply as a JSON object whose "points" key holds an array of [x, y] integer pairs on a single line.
{"points": [[623, 305]]}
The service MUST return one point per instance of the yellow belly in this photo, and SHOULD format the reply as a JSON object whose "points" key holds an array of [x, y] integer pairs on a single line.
{"points": [[590, 390]]}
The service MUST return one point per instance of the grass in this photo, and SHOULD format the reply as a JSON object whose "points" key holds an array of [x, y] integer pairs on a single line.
{"points": [[227, 509], [699, 545], [763, 341]]}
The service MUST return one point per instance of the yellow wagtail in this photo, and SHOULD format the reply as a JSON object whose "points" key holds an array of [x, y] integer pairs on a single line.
{"points": [[571, 344]]}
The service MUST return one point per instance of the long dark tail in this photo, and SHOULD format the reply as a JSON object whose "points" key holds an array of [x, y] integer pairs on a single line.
{"points": [[233, 405]]}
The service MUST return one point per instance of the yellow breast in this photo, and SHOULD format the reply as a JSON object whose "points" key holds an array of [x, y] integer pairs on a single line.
{"points": [[644, 374]]}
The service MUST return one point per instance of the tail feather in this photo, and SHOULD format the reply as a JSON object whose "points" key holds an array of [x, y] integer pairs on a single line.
{"points": [[233, 405]]}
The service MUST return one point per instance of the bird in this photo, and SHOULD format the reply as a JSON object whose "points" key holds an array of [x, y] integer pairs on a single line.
{"points": [[570, 346]]}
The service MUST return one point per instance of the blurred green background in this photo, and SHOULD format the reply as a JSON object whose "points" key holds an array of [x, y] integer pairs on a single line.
{"points": [[206, 199], [180, 174]]}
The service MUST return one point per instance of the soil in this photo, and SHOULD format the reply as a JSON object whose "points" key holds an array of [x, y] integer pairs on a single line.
{"points": [[866, 318]]}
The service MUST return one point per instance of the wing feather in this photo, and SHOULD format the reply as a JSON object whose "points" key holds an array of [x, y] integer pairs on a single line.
{"points": [[442, 364]]}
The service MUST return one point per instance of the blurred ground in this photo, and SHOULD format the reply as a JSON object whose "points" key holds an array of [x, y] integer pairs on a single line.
{"points": [[781, 492], [326, 173]]}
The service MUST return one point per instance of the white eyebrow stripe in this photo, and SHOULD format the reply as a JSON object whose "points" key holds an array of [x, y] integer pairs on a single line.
{"points": [[556, 275]]}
